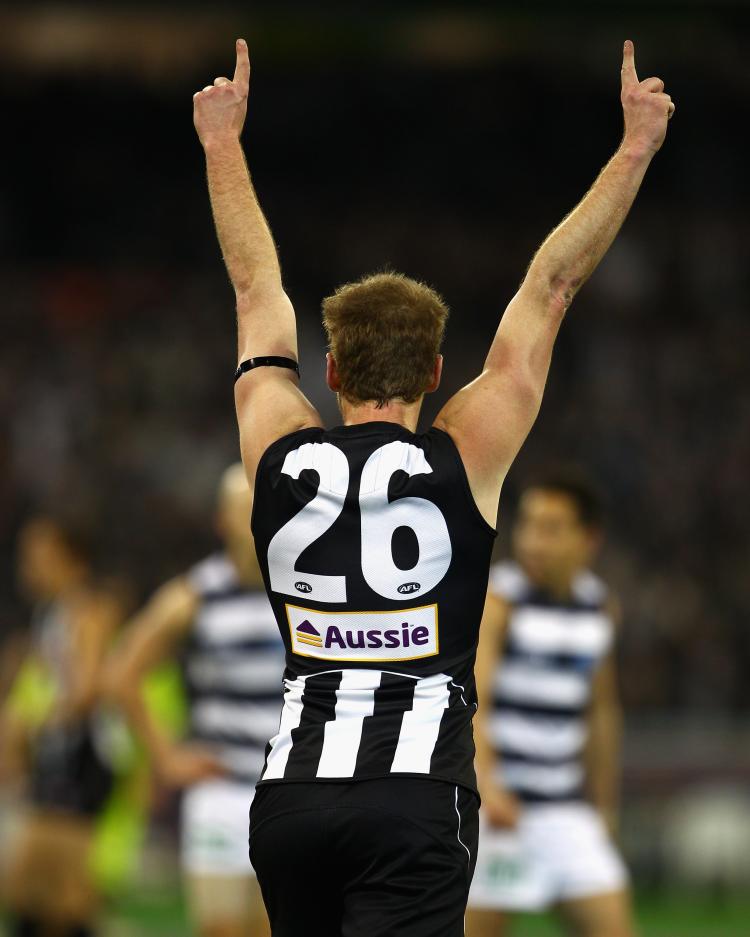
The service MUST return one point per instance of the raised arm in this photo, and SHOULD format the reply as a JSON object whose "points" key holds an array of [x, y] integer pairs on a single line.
{"points": [[269, 402], [490, 418]]}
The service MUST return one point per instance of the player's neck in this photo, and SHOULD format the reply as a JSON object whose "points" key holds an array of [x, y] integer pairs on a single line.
{"points": [[71, 585], [395, 411], [561, 588]]}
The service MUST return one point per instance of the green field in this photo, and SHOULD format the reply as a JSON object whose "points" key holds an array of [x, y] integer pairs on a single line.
{"points": [[667, 918], [676, 916], [162, 915]]}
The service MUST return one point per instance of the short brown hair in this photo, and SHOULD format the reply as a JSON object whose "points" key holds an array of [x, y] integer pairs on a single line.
{"points": [[384, 332]]}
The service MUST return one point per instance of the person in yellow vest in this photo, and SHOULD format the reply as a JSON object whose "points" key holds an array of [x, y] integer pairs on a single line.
{"points": [[54, 741]]}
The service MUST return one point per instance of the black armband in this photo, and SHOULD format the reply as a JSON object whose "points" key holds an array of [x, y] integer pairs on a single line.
{"points": [[265, 361]]}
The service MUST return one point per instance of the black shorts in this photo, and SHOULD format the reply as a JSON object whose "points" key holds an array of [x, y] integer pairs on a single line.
{"points": [[67, 771], [392, 857]]}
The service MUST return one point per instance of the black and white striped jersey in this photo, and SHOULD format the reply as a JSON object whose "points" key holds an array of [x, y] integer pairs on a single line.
{"points": [[233, 666], [376, 559], [543, 683]]}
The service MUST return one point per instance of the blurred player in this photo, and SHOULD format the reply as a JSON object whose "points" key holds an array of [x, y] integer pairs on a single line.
{"points": [[54, 737], [375, 544], [549, 725], [217, 617]]}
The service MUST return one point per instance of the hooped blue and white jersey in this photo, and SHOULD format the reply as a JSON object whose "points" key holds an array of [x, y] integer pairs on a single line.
{"points": [[543, 683], [233, 667]]}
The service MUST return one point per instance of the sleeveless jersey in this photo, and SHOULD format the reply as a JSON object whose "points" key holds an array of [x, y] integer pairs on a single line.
{"points": [[233, 665], [376, 561], [543, 683], [71, 761]]}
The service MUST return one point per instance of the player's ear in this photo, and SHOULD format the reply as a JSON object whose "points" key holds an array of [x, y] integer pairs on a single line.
{"points": [[437, 373], [332, 374]]}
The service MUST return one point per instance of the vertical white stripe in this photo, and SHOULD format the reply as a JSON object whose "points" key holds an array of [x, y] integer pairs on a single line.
{"points": [[421, 725], [355, 699], [281, 743]]}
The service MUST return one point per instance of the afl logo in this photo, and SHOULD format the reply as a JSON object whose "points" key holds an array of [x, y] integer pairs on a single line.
{"points": [[303, 586], [406, 587]]}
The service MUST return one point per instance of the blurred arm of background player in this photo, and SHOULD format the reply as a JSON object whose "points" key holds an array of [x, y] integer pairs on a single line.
{"points": [[268, 399], [96, 618], [516, 367], [604, 738], [151, 637], [501, 807]]}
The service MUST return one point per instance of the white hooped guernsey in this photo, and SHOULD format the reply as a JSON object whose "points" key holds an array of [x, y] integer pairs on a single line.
{"points": [[543, 684], [376, 559], [232, 664]]}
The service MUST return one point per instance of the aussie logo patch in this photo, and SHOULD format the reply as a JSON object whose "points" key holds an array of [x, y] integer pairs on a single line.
{"points": [[307, 634], [406, 634]]}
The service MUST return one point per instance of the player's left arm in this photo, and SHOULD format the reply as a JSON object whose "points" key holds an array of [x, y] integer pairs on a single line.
{"points": [[268, 399], [94, 621], [605, 734], [489, 418]]}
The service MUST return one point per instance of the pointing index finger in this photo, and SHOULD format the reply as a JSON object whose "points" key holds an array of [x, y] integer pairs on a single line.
{"points": [[628, 74], [242, 68]]}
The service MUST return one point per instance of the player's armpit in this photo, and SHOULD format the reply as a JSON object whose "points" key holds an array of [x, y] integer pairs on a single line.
{"points": [[488, 420], [269, 405]]}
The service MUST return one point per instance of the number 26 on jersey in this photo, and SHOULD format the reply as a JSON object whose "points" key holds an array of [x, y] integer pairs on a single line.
{"points": [[380, 518]]}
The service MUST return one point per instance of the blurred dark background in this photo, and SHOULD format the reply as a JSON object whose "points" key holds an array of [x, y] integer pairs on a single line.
{"points": [[445, 142]]}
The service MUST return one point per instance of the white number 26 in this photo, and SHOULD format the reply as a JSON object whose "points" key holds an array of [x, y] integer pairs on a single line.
{"points": [[380, 518]]}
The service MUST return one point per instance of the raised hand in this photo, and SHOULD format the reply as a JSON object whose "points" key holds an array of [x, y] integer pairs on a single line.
{"points": [[219, 109], [645, 105]]}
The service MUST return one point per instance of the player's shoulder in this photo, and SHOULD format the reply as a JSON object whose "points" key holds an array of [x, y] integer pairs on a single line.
{"points": [[277, 451], [508, 581], [215, 573], [590, 589]]}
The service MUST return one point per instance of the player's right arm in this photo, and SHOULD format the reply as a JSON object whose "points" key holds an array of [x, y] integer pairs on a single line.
{"points": [[500, 806], [268, 399], [490, 418], [150, 638], [603, 747]]}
